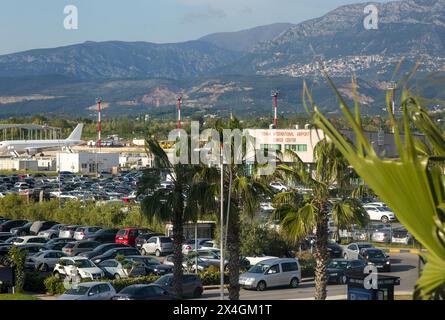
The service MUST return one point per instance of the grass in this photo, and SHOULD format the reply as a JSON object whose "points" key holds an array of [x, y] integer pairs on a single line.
{"points": [[403, 297], [17, 296]]}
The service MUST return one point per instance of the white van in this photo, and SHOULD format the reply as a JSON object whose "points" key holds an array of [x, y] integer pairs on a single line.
{"points": [[272, 273]]}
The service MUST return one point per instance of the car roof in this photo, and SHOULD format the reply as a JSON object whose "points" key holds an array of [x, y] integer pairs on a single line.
{"points": [[29, 237], [279, 260], [75, 258], [91, 284]]}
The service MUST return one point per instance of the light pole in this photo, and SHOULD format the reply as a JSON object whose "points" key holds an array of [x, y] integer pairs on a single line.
{"points": [[275, 94], [221, 265]]}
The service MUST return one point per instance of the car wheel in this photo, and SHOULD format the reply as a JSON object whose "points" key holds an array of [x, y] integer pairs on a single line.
{"points": [[197, 293], [117, 277], [158, 253], [384, 219], [343, 279], [261, 286], [143, 252], [43, 267], [294, 283]]}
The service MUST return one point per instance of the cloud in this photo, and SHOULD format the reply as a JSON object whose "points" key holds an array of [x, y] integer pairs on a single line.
{"points": [[209, 14]]}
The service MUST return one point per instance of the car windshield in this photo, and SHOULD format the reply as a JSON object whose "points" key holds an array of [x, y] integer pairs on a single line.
{"points": [[84, 264], [363, 246], [164, 280], [77, 290], [166, 240], [375, 254], [259, 268], [338, 264]]}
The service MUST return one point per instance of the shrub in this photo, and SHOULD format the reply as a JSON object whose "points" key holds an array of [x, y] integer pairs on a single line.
{"points": [[54, 285], [17, 259], [212, 278], [34, 282]]}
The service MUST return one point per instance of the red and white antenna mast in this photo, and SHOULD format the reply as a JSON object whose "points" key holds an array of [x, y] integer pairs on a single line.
{"points": [[179, 111], [275, 94], [99, 122]]}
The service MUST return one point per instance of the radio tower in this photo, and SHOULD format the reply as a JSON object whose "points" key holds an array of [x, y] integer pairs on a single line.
{"points": [[179, 111], [275, 94], [99, 122]]}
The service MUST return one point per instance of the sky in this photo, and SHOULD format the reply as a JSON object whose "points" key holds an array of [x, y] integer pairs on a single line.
{"points": [[31, 24]]}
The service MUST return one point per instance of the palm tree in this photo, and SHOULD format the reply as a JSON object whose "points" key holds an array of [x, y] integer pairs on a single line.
{"points": [[178, 204], [300, 215], [412, 185]]}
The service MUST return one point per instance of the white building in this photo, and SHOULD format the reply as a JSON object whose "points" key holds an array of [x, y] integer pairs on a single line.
{"points": [[9, 164], [134, 160], [87, 162]]}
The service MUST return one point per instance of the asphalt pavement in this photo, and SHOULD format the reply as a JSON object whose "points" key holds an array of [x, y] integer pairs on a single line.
{"points": [[404, 265]]}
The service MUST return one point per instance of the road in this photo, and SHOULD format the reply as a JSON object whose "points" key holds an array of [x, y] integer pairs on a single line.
{"points": [[404, 265]]}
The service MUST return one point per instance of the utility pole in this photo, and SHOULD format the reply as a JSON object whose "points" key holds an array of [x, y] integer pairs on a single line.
{"points": [[99, 132], [221, 265], [275, 94]]}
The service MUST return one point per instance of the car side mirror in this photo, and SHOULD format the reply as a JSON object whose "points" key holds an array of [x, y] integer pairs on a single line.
{"points": [[90, 294]]}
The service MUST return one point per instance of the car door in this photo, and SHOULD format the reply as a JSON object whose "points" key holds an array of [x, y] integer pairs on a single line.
{"points": [[273, 276], [94, 293], [352, 251], [110, 266], [105, 292], [151, 245], [51, 259], [356, 268]]}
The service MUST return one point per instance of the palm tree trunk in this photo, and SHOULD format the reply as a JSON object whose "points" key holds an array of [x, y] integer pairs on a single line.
{"points": [[233, 249], [321, 253], [178, 235]]}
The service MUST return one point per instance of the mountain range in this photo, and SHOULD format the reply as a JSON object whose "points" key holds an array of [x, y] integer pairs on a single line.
{"points": [[234, 70]]}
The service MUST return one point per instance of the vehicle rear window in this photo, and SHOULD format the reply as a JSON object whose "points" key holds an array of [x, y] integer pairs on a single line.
{"points": [[289, 266], [122, 232], [166, 240]]}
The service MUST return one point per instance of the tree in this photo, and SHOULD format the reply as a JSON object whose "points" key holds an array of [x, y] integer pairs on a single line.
{"points": [[177, 204], [300, 216], [412, 185], [16, 260]]}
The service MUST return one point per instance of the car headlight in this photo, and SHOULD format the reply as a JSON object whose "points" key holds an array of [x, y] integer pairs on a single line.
{"points": [[370, 263], [250, 280], [387, 262], [334, 274]]}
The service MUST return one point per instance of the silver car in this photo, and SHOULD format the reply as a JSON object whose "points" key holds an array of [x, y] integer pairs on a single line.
{"points": [[90, 291], [272, 273], [44, 261], [67, 231], [352, 250], [53, 232], [81, 232]]}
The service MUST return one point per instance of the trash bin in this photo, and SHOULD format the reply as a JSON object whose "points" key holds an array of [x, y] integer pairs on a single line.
{"points": [[384, 290]]}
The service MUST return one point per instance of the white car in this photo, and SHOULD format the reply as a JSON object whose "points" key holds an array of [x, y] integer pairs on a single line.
{"points": [[29, 240], [189, 245], [379, 213], [89, 291], [158, 246], [53, 232], [257, 259], [86, 269], [278, 186], [382, 235], [115, 269], [67, 231]]}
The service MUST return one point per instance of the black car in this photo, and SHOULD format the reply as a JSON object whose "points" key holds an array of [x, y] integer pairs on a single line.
{"points": [[191, 284], [38, 226], [144, 292], [113, 253], [23, 230], [334, 250], [152, 265], [58, 246], [8, 225], [339, 270], [103, 236], [143, 238], [5, 236], [101, 249], [376, 257]]}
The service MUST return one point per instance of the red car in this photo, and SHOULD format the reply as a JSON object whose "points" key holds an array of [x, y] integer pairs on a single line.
{"points": [[128, 236]]}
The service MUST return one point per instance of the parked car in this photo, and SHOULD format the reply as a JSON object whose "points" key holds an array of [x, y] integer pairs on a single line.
{"points": [[339, 270], [382, 235], [85, 268], [128, 235], [152, 265], [52, 232], [272, 273], [5, 236], [44, 260], [39, 226], [144, 292], [8, 225], [189, 245], [114, 269], [81, 232], [402, 236], [103, 236], [191, 285], [256, 259], [143, 238], [379, 213], [377, 258], [101, 249], [352, 250], [213, 257], [334, 250], [89, 291], [113, 253], [68, 231], [278, 186], [29, 240], [23, 230], [158, 245], [76, 247]]}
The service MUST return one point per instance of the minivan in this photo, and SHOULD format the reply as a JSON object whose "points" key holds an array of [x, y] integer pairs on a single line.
{"points": [[272, 273], [128, 235]]}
